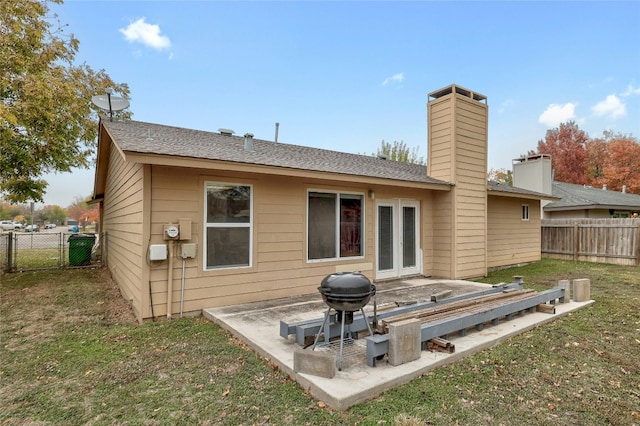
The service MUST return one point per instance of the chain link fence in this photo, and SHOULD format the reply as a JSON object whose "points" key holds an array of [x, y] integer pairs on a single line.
{"points": [[27, 251]]}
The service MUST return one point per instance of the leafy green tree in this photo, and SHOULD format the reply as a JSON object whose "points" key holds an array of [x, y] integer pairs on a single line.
{"points": [[10, 211], [47, 122], [398, 151], [53, 214]]}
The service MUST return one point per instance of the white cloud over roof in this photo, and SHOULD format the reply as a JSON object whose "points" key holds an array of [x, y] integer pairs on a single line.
{"points": [[396, 78], [147, 34], [556, 114], [610, 107]]}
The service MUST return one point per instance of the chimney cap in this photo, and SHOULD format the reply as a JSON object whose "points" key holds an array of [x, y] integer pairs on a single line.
{"points": [[454, 88]]}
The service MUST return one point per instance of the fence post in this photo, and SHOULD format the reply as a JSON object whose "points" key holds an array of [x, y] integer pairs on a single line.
{"points": [[576, 242], [638, 244], [10, 250]]}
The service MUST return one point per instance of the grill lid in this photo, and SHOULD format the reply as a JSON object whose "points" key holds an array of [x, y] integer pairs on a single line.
{"points": [[346, 291]]}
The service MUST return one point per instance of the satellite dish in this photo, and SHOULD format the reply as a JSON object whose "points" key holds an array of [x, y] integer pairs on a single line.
{"points": [[110, 103]]}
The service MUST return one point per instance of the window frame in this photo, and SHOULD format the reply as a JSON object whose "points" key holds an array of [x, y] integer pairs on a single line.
{"points": [[338, 194], [525, 213], [208, 225]]}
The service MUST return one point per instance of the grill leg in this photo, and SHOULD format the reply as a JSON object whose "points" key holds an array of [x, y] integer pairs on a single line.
{"points": [[341, 342], [367, 322], [326, 317]]}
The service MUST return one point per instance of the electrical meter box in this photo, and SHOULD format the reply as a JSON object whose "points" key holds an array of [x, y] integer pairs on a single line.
{"points": [[189, 250], [158, 252]]}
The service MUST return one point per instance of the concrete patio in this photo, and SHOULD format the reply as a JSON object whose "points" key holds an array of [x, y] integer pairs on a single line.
{"points": [[258, 324]]}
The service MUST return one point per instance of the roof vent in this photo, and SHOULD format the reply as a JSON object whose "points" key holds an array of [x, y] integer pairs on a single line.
{"points": [[226, 132], [382, 156], [248, 141], [604, 187]]}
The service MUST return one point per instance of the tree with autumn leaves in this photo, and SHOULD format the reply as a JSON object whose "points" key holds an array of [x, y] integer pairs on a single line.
{"points": [[83, 212], [612, 160]]}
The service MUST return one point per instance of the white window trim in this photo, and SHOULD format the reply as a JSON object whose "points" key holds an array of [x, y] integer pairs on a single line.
{"points": [[208, 225], [525, 217], [362, 221]]}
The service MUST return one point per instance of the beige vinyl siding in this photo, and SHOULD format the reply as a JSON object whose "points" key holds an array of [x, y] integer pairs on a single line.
{"points": [[442, 235], [280, 267], [470, 192], [122, 222], [458, 153], [510, 239], [440, 134]]}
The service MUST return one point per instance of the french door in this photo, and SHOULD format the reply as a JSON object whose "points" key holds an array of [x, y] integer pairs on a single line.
{"points": [[397, 238]]}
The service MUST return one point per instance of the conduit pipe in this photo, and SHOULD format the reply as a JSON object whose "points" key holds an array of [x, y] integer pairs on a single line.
{"points": [[184, 261], [170, 280]]}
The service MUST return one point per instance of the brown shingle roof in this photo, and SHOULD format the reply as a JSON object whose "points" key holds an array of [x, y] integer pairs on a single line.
{"points": [[493, 186], [148, 138]]}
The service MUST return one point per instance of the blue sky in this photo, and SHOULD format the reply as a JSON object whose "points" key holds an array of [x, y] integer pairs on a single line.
{"points": [[346, 75]]}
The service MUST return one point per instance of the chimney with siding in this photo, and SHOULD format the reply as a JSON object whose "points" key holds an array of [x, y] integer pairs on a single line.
{"points": [[457, 153], [534, 173]]}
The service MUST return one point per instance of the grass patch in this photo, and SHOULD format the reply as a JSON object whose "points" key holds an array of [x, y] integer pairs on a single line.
{"points": [[72, 354]]}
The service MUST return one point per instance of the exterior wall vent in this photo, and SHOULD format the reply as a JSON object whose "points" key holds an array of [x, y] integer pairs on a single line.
{"points": [[226, 132]]}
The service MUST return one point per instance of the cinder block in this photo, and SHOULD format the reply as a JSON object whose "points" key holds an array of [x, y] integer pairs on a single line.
{"points": [[404, 341], [566, 284], [581, 289], [321, 364]]}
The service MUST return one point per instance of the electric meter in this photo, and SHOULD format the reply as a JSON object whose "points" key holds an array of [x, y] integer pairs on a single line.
{"points": [[171, 231]]}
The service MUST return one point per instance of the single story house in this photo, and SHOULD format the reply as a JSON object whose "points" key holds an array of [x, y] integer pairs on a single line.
{"points": [[534, 172], [195, 219]]}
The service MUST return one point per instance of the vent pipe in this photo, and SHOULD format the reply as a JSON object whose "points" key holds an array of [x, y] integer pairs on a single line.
{"points": [[624, 189], [277, 126], [604, 187], [248, 141]]}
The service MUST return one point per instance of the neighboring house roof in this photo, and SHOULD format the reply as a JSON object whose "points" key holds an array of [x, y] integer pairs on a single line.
{"points": [[574, 197], [496, 188], [155, 139]]}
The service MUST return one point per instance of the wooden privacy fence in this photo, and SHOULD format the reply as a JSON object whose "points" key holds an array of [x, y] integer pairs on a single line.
{"points": [[592, 240]]}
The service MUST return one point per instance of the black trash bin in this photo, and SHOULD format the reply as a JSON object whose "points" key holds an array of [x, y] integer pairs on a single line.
{"points": [[80, 247]]}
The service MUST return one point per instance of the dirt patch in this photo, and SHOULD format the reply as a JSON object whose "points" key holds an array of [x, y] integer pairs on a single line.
{"points": [[118, 310], [33, 312]]}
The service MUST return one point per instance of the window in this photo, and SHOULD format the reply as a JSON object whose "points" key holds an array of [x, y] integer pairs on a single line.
{"points": [[334, 225], [228, 218], [525, 212]]}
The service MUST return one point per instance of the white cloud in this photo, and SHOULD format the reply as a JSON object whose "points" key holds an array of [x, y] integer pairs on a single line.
{"points": [[556, 114], [147, 34], [396, 78], [631, 91], [611, 107], [504, 106]]}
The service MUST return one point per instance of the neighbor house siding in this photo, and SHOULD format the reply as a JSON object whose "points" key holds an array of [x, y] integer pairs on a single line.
{"points": [[123, 219], [510, 239]]}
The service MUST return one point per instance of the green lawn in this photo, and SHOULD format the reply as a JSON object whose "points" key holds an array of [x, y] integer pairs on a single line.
{"points": [[72, 355]]}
